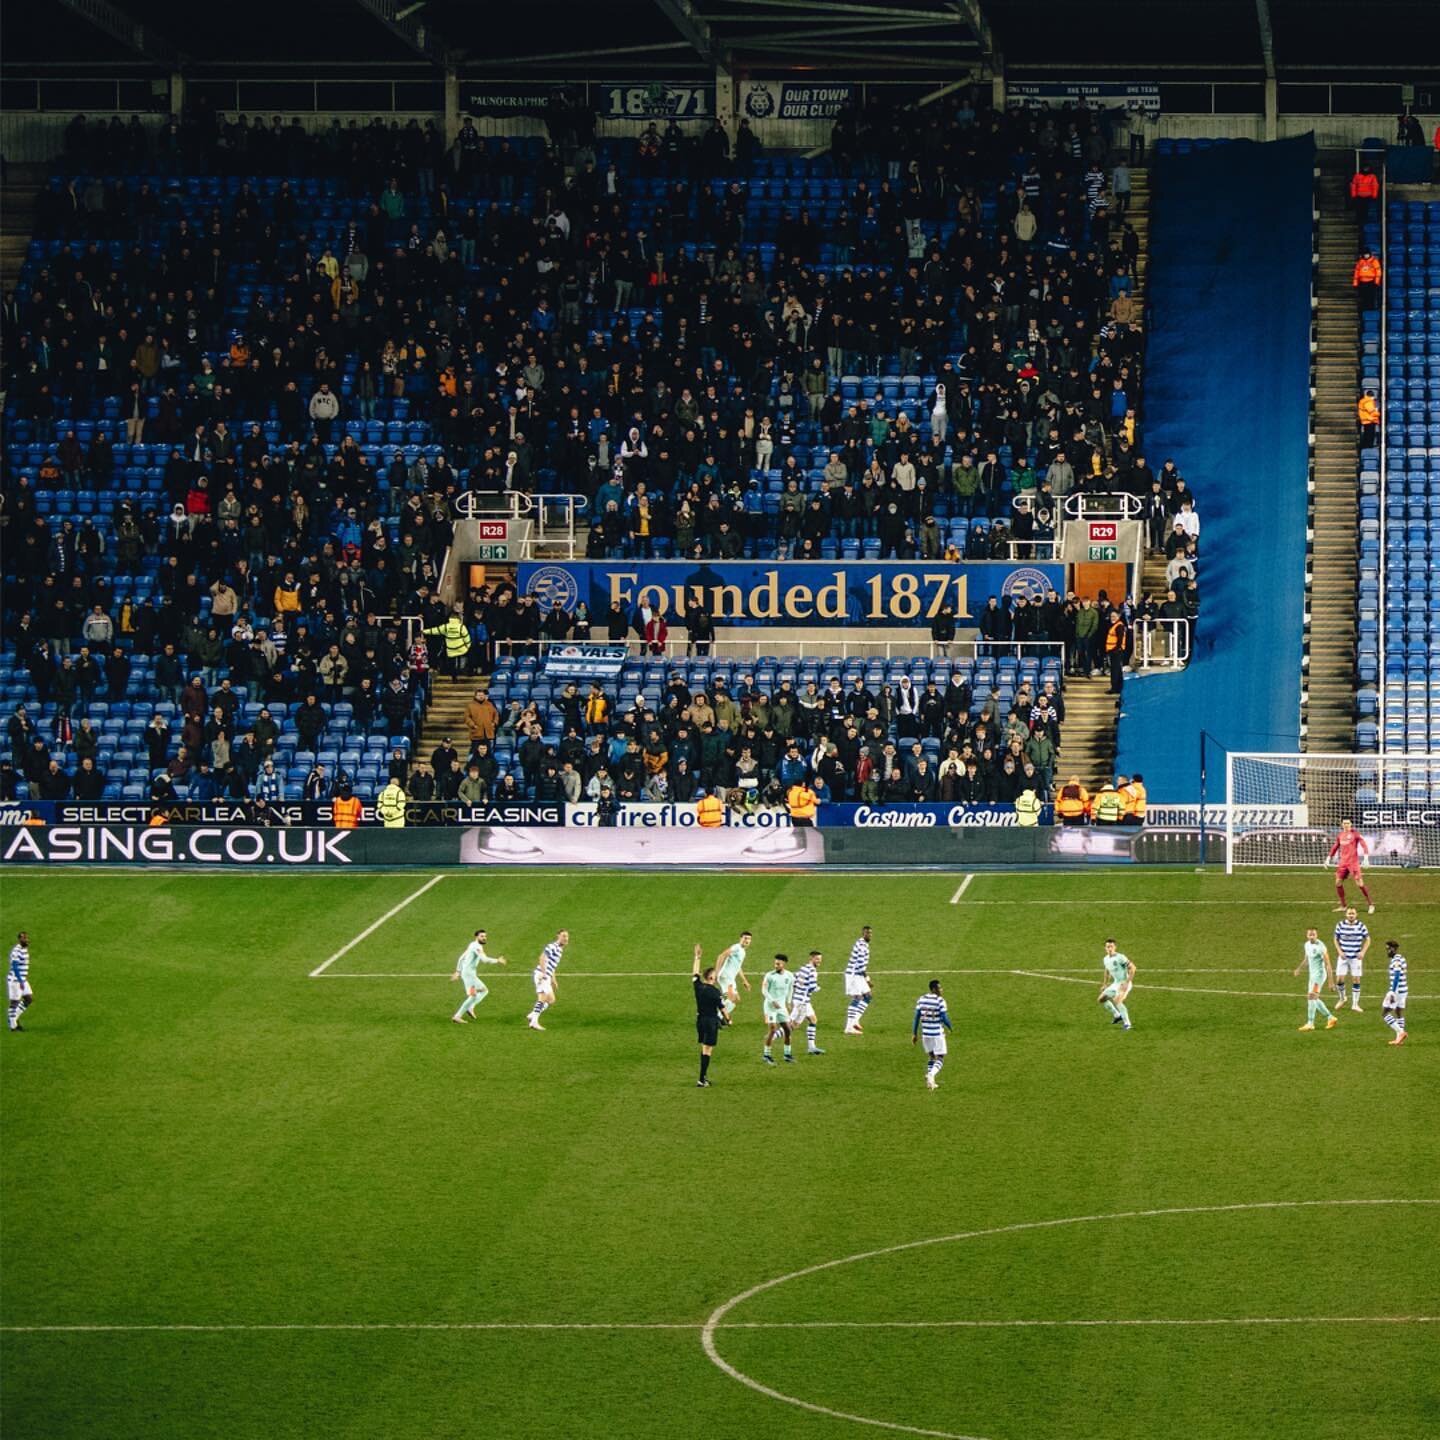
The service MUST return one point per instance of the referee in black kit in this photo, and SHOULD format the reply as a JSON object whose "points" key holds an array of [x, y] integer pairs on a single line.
{"points": [[709, 1013]]}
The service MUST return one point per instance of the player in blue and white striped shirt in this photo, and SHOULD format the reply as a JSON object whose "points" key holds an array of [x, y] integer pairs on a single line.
{"points": [[544, 978], [932, 1020], [17, 980], [1392, 1007], [1352, 943], [857, 982], [802, 1011]]}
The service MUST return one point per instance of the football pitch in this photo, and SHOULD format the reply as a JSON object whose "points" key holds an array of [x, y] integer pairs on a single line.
{"points": [[243, 1199]]}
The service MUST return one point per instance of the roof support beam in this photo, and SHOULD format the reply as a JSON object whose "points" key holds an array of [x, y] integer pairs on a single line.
{"points": [[692, 27], [1267, 37], [118, 25], [984, 35], [843, 7], [414, 32], [512, 62]]}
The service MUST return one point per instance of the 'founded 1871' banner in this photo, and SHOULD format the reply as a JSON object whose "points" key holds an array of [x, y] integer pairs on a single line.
{"points": [[656, 101], [795, 592]]}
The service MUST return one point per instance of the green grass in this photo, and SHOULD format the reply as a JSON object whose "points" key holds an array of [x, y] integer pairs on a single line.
{"points": [[197, 1133]]}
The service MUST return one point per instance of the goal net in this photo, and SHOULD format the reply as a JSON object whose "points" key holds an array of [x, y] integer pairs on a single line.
{"points": [[1286, 809]]}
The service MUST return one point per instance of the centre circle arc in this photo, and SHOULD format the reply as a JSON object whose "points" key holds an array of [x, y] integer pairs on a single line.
{"points": [[716, 1319]]}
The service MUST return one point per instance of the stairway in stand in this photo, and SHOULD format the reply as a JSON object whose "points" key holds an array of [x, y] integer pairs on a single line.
{"points": [[445, 715], [17, 218], [1138, 216], [1328, 724], [1087, 747]]}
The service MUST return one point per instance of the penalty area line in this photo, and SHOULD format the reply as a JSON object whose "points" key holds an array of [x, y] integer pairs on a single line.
{"points": [[369, 930], [963, 887]]}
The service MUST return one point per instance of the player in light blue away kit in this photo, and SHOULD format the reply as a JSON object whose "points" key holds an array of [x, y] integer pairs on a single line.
{"points": [[730, 967], [17, 980], [932, 1020], [776, 992], [1119, 977], [1392, 1007], [1352, 943], [466, 969], [1318, 960]]}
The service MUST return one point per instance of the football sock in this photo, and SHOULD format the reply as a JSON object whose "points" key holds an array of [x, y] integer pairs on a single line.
{"points": [[1110, 1006], [464, 1006], [1393, 1020], [1123, 1013], [541, 1006], [1340, 891], [861, 1006], [810, 1037], [1310, 1012], [1355, 992], [936, 1066], [14, 1013], [852, 1014], [1364, 890], [1323, 1008], [704, 1065], [787, 1047], [729, 1006]]}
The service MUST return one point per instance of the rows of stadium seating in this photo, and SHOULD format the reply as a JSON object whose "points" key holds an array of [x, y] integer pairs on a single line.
{"points": [[1406, 612], [522, 678], [123, 757]]}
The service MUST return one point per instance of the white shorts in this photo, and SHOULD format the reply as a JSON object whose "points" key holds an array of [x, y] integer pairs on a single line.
{"points": [[543, 987], [17, 989], [857, 984], [1344, 967], [937, 1046], [803, 1014], [1392, 1001]]}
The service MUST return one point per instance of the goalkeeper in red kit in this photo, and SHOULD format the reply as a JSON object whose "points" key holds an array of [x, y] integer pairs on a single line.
{"points": [[1349, 852]]}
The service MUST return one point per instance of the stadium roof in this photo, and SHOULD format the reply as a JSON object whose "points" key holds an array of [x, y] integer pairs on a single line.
{"points": [[852, 37]]}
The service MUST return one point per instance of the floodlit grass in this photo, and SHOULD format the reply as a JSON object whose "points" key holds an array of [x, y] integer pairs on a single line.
{"points": [[197, 1133]]}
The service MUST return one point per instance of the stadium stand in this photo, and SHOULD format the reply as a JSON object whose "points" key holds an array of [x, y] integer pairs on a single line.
{"points": [[260, 354], [1233, 226], [998, 713], [1398, 656]]}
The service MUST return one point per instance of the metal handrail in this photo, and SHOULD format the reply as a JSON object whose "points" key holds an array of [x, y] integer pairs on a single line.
{"points": [[1381, 429], [1109, 506], [1176, 652]]}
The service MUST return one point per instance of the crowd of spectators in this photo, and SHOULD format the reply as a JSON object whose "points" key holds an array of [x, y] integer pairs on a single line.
{"points": [[310, 359]]}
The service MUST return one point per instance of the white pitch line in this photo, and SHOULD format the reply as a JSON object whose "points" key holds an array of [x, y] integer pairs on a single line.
{"points": [[963, 887], [718, 1322], [1184, 989], [470, 1325], [369, 930]]}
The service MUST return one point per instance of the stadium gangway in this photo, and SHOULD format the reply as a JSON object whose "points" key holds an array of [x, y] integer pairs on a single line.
{"points": [[960, 651], [1161, 644]]}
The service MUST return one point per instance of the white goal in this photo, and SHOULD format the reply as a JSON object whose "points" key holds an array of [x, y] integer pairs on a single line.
{"points": [[1286, 809]]}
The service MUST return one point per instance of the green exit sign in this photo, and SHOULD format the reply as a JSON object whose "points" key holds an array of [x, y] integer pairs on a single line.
{"points": [[497, 553], [1104, 552]]}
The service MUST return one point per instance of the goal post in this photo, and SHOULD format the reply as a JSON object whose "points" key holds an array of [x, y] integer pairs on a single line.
{"points": [[1284, 809]]}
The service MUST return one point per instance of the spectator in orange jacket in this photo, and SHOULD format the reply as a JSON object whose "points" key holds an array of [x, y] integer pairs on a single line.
{"points": [[1367, 412], [1366, 281]]}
